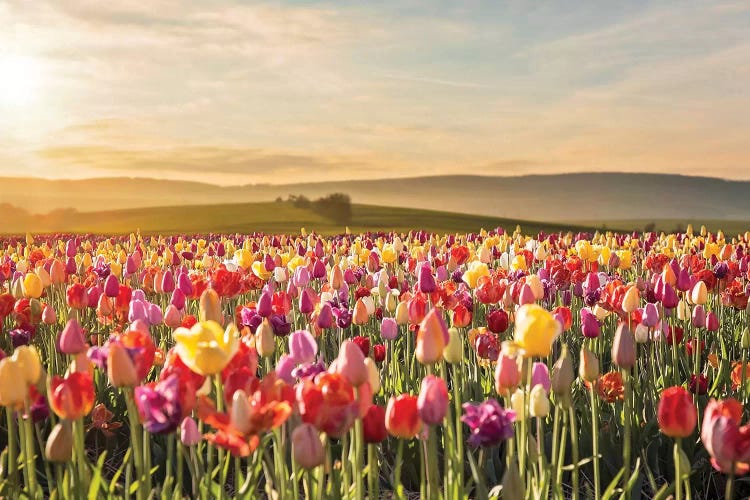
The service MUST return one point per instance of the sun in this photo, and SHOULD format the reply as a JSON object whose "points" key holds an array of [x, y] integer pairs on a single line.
{"points": [[20, 77]]}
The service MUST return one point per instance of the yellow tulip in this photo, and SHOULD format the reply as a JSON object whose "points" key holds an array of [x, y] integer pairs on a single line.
{"points": [[389, 254], [259, 269], [32, 286], [535, 330], [476, 270], [206, 348], [453, 352], [12, 393], [27, 359]]}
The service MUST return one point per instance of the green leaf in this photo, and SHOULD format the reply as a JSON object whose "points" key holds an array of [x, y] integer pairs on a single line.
{"points": [[612, 488], [96, 480]]}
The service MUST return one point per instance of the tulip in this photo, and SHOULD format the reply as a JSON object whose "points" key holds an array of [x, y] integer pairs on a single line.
{"points": [[402, 313], [325, 316], [538, 402], [360, 315], [699, 293], [26, 359], [189, 433], [712, 322], [285, 366], [490, 423], [206, 348], [630, 300], [432, 403], [12, 393], [373, 425], [535, 330], [454, 351], [48, 316], [351, 363], [210, 307], [388, 329], [698, 318], [307, 449], [563, 377], [32, 286], [120, 367], [725, 440], [173, 316], [540, 376], [650, 315], [588, 369], [302, 346], [71, 339], [676, 413], [641, 333], [507, 376], [373, 375], [432, 338], [497, 321], [623, 347], [402, 416], [111, 286], [589, 324], [72, 397], [59, 446]]}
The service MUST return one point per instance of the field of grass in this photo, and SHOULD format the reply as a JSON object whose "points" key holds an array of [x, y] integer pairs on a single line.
{"points": [[267, 217]]}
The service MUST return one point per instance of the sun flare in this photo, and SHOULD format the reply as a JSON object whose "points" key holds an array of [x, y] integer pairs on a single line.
{"points": [[20, 77]]}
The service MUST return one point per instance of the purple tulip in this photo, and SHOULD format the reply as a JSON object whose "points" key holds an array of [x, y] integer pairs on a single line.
{"points": [[699, 316], [650, 315], [184, 284], [111, 286], [489, 422], [325, 316], [589, 324], [265, 305], [426, 281], [178, 299], [285, 368], [167, 281], [159, 405]]}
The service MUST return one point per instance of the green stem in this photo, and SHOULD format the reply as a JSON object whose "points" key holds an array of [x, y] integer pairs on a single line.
{"points": [[677, 473], [595, 441], [135, 442], [373, 471], [626, 451], [12, 448]]}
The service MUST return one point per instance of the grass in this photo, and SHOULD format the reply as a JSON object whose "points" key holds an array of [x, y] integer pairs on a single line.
{"points": [[267, 217]]}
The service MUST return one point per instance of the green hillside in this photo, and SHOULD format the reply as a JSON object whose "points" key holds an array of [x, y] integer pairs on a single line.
{"points": [[268, 217]]}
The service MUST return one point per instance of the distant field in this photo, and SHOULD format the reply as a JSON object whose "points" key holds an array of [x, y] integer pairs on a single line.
{"points": [[730, 227], [270, 217]]}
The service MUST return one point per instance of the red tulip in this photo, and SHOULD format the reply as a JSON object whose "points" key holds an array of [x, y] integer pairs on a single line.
{"points": [[76, 296], [676, 414], [328, 403], [402, 417], [374, 425], [72, 397]]}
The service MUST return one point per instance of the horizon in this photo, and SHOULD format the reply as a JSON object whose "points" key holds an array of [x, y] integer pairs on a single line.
{"points": [[373, 179], [229, 93]]}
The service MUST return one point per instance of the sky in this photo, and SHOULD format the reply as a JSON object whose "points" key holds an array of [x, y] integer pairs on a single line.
{"points": [[248, 92]]}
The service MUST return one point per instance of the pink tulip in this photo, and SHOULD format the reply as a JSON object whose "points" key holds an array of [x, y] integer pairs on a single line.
{"points": [[351, 363], [432, 403], [71, 339], [302, 346]]}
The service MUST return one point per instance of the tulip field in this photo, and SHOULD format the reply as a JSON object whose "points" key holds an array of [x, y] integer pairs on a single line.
{"points": [[375, 365]]}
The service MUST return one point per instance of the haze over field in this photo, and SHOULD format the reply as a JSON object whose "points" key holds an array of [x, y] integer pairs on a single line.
{"points": [[554, 198]]}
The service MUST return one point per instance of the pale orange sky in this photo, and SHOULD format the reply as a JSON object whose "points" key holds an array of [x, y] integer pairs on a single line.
{"points": [[236, 92]]}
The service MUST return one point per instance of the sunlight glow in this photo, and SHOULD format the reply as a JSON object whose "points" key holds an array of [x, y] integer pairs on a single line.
{"points": [[20, 78]]}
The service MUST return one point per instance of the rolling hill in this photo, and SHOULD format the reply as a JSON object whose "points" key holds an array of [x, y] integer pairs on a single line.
{"points": [[267, 217], [554, 198]]}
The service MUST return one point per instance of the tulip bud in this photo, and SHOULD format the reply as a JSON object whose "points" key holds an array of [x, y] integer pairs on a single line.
{"points": [[563, 377], [265, 342], [27, 359], [630, 300], [538, 402], [432, 338], [189, 433], [302, 346], [432, 403], [32, 286], [373, 375], [120, 367], [588, 368], [240, 412], [307, 449], [388, 329], [111, 286], [507, 376], [712, 322], [71, 339], [745, 339], [351, 363], [641, 334], [402, 313], [59, 446], [49, 317], [517, 404], [210, 307], [623, 347], [699, 293]]}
